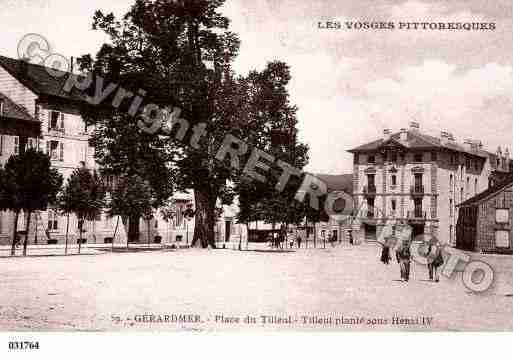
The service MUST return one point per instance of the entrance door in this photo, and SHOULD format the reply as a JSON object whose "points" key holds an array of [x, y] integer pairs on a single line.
{"points": [[417, 230], [227, 230]]}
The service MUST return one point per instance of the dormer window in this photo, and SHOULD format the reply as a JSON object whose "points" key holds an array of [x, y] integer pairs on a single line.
{"points": [[371, 159]]}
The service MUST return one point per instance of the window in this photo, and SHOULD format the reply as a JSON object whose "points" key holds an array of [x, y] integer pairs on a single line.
{"points": [[502, 215], [1, 144], [393, 157], [371, 159], [370, 207], [31, 143], [502, 239], [56, 121], [53, 220], [55, 150], [475, 187], [451, 181], [434, 156], [450, 208], [356, 159], [1, 107], [394, 180], [417, 157], [476, 165], [16, 145], [394, 206], [467, 163]]}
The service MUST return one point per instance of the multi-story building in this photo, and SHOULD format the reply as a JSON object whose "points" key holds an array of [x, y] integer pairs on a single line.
{"points": [[410, 177], [38, 113]]}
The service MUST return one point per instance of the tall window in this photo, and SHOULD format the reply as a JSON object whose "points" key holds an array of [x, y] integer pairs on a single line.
{"points": [[56, 121], [371, 159], [450, 207], [434, 156], [393, 206], [394, 180], [417, 157], [16, 145], [475, 186], [370, 207], [55, 150], [393, 157], [53, 220], [371, 185], [417, 208], [451, 181], [1, 144]]}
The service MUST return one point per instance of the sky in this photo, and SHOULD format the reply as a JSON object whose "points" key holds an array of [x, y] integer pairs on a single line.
{"points": [[349, 85]]}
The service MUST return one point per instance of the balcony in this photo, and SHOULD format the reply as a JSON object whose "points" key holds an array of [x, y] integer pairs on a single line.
{"points": [[417, 215], [417, 190], [369, 190]]}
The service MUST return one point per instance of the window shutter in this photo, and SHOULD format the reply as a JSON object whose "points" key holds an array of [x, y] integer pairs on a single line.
{"points": [[62, 121], [16, 145], [61, 155]]}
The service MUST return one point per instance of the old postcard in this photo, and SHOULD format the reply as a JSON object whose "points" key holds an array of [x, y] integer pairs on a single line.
{"points": [[238, 165]]}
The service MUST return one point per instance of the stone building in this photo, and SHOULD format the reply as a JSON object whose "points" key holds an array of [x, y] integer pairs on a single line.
{"points": [[410, 177], [38, 113], [484, 221]]}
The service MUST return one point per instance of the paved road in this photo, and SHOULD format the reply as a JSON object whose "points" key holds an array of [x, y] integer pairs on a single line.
{"points": [[195, 289]]}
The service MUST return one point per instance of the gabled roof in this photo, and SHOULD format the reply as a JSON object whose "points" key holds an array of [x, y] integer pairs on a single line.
{"points": [[506, 181], [415, 140], [13, 111], [342, 182], [38, 79]]}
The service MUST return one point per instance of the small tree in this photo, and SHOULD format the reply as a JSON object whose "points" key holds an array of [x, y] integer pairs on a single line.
{"points": [[29, 184], [83, 195]]}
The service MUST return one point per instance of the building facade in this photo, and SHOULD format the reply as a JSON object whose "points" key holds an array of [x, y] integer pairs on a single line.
{"points": [[413, 178], [484, 221], [38, 113]]}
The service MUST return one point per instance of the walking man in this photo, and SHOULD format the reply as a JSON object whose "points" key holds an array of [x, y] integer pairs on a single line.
{"points": [[403, 256], [435, 260]]}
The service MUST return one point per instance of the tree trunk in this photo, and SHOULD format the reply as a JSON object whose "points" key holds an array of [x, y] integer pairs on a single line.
{"points": [[115, 232], [67, 235], [80, 226], [204, 220], [14, 232], [27, 227], [315, 235], [148, 230], [133, 229]]}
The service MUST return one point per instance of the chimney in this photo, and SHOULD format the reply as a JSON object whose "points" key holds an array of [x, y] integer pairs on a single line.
{"points": [[414, 126], [386, 134], [444, 137], [403, 135]]}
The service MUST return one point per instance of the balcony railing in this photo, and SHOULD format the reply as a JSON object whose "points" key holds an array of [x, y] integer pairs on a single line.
{"points": [[417, 190], [417, 214]]}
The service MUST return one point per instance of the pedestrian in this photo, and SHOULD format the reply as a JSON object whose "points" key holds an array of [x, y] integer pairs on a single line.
{"points": [[385, 253], [435, 260], [403, 256]]}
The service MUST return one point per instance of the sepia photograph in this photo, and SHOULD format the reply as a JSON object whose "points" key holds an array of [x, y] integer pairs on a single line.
{"points": [[222, 166]]}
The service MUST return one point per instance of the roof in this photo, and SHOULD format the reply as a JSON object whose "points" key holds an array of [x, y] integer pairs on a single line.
{"points": [[416, 140], [506, 181], [343, 182], [14, 111], [39, 80]]}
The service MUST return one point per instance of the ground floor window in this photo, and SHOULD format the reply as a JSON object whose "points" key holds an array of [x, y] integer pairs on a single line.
{"points": [[501, 239]]}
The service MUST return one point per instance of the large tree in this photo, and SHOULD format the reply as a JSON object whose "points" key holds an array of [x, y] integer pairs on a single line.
{"points": [[180, 53], [30, 184]]}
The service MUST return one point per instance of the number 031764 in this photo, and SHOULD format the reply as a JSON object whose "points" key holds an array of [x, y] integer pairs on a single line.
{"points": [[23, 345]]}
